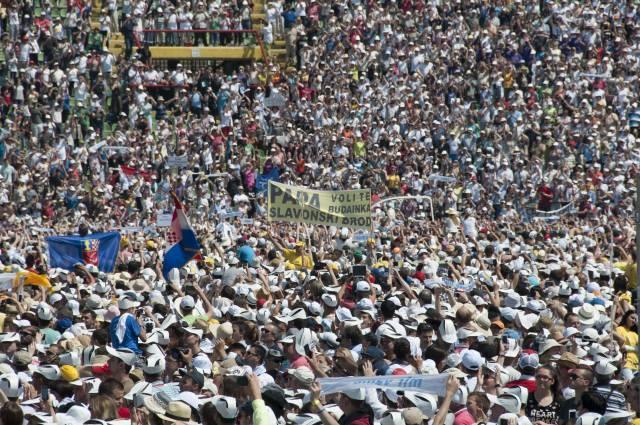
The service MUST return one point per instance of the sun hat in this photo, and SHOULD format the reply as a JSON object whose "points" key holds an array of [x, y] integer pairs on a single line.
{"points": [[587, 314], [177, 411]]}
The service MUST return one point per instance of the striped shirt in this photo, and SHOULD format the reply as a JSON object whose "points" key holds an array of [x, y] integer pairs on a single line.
{"points": [[616, 401]]}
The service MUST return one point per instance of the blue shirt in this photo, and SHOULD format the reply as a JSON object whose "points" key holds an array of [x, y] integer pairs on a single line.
{"points": [[131, 334]]}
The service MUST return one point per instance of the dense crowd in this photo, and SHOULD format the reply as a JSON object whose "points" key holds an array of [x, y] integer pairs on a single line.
{"points": [[505, 131]]}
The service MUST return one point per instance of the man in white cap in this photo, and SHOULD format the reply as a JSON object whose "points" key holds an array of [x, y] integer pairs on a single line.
{"points": [[604, 372], [352, 403], [126, 329]]}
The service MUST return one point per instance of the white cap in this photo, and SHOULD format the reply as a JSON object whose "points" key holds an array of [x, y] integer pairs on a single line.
{"points": [[225, 406], [472, 359], [125, 354], [154, 364], [44, 312], [330, 300], [126, 303], [603, 367], [447, 331], [355, 394]]}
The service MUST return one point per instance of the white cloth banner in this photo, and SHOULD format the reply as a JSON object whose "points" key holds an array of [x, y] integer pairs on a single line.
{"points": [[428, 384]]}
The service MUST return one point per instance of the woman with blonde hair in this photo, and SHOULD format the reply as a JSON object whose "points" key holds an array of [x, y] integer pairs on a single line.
{"points": [[103, 407]]}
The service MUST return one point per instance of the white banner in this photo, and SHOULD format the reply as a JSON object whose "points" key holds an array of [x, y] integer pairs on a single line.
{"points": [[428, 384], [444, 179], [164, 219]]}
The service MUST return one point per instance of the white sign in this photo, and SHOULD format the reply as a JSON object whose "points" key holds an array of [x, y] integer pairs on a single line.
{"points": [[177, 161], [195, 52], [427, 384], [247, 221], [360, 237], [232, 214], [164, 219]]}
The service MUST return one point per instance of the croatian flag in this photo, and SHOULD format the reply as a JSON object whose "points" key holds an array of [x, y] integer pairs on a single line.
{"points": [[184, 246]]}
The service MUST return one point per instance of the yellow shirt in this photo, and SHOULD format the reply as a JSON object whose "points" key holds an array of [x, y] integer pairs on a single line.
{"points": [[298, 261], [393, 181], [630, 338], [630, 271]]}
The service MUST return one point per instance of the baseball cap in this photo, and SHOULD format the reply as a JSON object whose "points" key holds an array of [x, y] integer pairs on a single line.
{"points": [[363, 286], [70, 374], [22, 358], [472, 359], [225, 406], [413, 416], [330, 300], [530, 360], [49, 372]]}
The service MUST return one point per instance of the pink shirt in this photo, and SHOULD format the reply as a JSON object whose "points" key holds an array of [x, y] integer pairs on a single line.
{"points": [[463, 417], [300, 362]]}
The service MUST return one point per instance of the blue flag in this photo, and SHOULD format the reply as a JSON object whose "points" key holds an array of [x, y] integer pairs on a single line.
{"points": [[99, 249], [262, 181]]}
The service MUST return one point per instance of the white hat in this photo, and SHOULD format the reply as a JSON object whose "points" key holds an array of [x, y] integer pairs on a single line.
{"points": [[10, 385], [303, 339], [44, 312], [358, 394], [392, 417], [330, 300], [126, 303], [510, 402], [589, 418], [548, 345], [472, 359], [125, 354], [76, 415], [587, 314], [604, 368], [154, 364], [363, 286], [49, 372], [447, 331], [513, 300], [427, 403], [526, 321], [10, 337], [225, 406]]}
